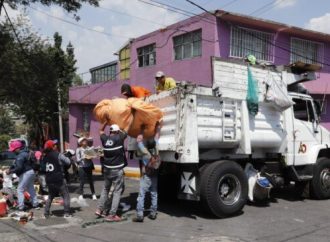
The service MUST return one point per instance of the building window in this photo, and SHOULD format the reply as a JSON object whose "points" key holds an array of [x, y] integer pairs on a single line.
{"points": [[188, 45], [124, 58], [306, 51], [147, 55], [85, 119], [245, 41], [104, 73]]}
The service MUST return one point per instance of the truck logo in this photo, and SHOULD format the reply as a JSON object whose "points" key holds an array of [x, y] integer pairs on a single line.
{"points": [[188, 183], [302, 148]]}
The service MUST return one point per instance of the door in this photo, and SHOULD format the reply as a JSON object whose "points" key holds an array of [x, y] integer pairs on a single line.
{"points": [[306, 130]]}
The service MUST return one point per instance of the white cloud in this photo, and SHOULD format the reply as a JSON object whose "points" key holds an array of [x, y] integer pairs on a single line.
{"points": [[320, 23], [285, 3]]}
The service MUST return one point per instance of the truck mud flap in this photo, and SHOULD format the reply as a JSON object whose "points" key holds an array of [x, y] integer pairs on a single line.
{"points": [[189, 183]]}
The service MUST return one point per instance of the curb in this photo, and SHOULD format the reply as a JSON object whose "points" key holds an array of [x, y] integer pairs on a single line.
{"points": [[132, 172]]}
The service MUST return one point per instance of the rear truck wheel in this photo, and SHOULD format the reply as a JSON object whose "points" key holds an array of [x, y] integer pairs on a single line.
{"points": [[224, 188], [320, 184]]}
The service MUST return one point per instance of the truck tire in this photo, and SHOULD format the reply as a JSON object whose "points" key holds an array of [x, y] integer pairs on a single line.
{"points": [[320, 184], [224, 188]]}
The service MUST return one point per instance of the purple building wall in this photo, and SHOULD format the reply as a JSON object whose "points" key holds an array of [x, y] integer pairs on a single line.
{"points": [[215, 42]]}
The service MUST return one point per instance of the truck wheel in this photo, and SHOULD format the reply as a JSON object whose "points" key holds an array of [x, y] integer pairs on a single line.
{"points": [[224, 188], [320, 184]]}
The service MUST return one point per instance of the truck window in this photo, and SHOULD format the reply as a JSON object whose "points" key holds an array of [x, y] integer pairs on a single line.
{"points": [[303, 110]]}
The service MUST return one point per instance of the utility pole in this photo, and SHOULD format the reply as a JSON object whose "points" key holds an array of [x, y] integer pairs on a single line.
{"points": [[60, 120]]}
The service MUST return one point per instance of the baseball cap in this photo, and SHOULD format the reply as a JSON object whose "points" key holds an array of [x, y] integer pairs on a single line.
{"points": [[16, 144], [81, 139], [159, 74], [49, 144], [114, 128]]}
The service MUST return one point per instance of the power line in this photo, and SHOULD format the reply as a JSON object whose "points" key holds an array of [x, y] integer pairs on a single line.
{"points": [[79, 25]]}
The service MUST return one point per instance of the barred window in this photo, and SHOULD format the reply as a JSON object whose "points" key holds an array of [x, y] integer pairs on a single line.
{"points": [[188, 45], [306, 51], [245, 41], [147, 55]]}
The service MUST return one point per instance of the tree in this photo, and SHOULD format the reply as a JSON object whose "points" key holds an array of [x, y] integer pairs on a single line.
{"points": [[7, 125], [30, 72], [70, 6]]}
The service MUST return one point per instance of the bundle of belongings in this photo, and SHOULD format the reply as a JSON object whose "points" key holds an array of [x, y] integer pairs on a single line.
{"points": [[124, 111]]}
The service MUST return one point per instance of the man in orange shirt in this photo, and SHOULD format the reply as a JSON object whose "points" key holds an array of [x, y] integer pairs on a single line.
{"points": [[134, 91]]}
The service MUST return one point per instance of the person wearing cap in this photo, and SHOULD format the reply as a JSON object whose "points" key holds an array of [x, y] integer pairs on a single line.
{"points": [[134, 91], [23, 168], [114, 161], [86, 167], [164, 83], [147, 151], [55, 163]]}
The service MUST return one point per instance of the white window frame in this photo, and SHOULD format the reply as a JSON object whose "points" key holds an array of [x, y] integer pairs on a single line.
{"points": [[320, 51], [146, 54], [271, 57], [191, 45]]}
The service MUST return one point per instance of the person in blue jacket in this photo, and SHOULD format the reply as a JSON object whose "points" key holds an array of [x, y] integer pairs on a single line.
{"points": [[23, 168]]}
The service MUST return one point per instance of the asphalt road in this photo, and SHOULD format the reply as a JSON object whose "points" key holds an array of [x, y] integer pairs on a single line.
{"points": [[284, 218]]}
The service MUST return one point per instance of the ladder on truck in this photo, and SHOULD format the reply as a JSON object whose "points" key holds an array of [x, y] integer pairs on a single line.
{"points": [[229, 121]]}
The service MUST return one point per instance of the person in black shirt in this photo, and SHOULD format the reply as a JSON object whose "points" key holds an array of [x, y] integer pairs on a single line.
{"points": [[114, 161], [54, 163]]}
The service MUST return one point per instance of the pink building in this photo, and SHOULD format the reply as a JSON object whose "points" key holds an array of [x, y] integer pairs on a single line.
{"points": [[184, 50]]}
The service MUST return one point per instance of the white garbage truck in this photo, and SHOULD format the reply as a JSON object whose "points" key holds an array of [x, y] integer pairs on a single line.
{"points": [[209, 136]]}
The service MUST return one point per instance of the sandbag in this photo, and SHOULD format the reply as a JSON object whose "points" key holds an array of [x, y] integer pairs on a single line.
{"points": [[146, 114], [118, 110], [121, 111]]}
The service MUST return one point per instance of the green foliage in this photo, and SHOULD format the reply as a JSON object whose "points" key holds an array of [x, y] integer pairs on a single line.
{"points": [[30, 71], [68, 5], [7, 125], [4, 138]]}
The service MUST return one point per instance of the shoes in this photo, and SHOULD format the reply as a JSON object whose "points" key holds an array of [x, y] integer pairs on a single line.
{"points": [[94, 197], [99, 213], [46, 216], [113, 218], [68, 215], [152, 216], [37, 207], [138, 219], [81, 197]]}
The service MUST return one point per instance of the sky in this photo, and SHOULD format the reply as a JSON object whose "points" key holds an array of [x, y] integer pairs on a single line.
{"points": [[103, 30]]}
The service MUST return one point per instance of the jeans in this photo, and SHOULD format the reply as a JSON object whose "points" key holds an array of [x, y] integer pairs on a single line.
{"points": [[54, 190], [26, 183], [147, 183], [114, 179], [86, 173]]}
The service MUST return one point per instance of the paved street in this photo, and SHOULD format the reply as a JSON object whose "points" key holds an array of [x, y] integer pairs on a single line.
{"points": [[285, 218]]}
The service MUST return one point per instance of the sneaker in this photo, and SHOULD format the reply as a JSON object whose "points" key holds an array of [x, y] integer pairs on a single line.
{"points": [[99, 213], [113, 218], [37, 207], [152, 216], [81, 197], [94, 197], [46, 216], [138, 219], [68, 215]]}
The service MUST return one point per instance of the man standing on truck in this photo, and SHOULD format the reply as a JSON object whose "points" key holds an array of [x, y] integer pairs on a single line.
{"points": [[149, 164], [114, 162], [164, 83], [134, 91]]}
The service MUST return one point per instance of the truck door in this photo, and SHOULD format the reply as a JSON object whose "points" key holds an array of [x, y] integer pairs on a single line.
{"points": [[306, 130]]}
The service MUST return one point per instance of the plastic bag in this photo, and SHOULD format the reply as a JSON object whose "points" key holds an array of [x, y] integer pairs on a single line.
{"points": [[252, 98]]}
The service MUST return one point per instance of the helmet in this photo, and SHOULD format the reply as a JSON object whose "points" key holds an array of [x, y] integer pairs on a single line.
{"points": [[114, 128]]}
